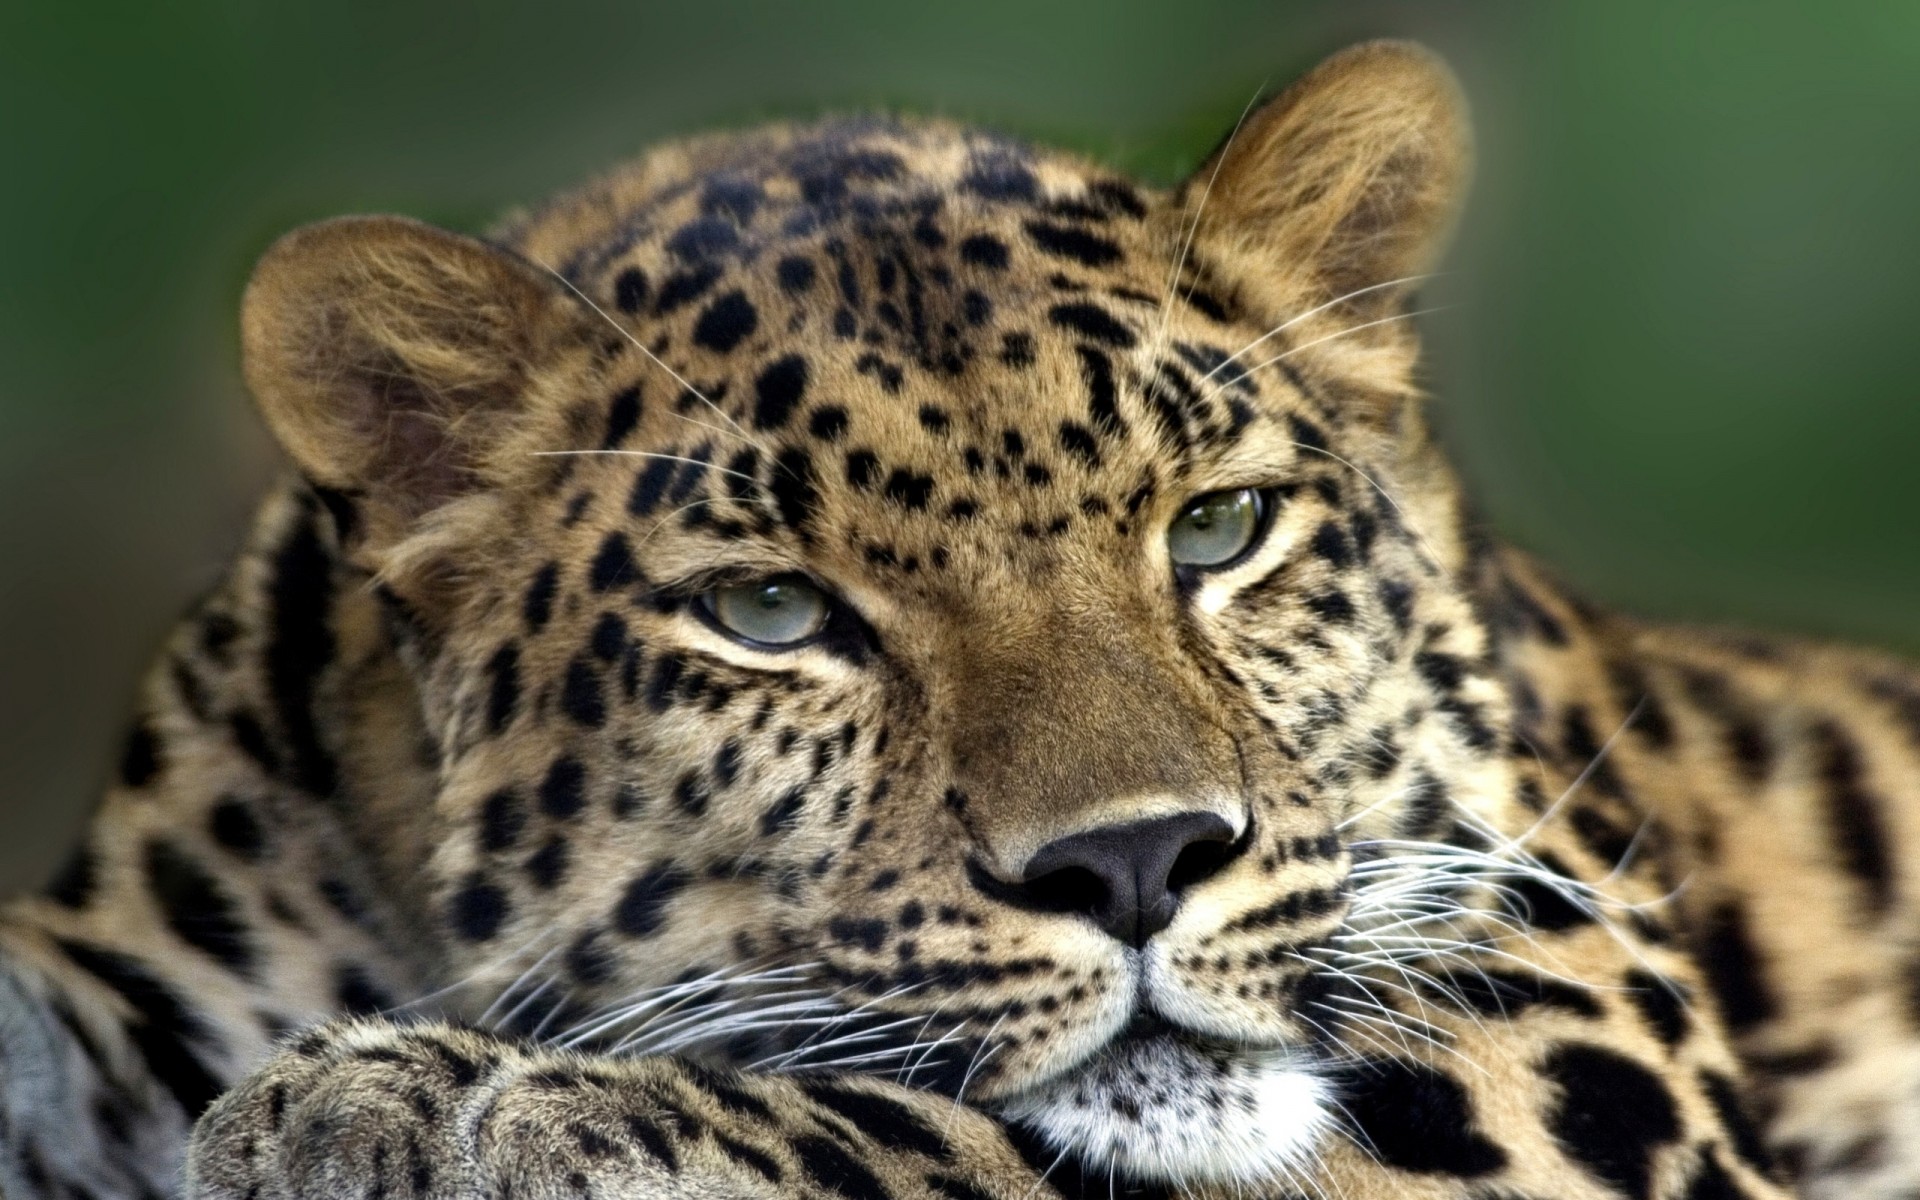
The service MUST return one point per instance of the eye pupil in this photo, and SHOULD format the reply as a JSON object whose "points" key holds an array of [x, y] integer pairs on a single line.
{"points": [[1216, 528]]}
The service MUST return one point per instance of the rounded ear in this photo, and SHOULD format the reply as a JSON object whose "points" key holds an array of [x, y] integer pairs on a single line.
{"points": [[389, 357], [1346, 182]]}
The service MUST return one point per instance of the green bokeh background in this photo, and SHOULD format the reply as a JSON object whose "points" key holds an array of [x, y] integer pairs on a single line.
{"points": [[1679, 361]]}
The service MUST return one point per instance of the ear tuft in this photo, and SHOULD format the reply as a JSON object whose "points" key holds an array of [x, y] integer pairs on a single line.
{"points": [[1347, 180], [387, 356]]}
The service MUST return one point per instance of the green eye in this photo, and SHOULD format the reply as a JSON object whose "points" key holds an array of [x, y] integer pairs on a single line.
{"points": [[1216, 528], [771, 612]]}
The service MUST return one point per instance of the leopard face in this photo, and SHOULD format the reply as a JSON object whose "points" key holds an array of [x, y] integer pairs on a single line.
{"points": [[982, 607]]}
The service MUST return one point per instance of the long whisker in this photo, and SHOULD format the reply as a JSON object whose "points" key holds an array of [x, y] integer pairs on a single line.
{"points": [[1290, 322], [1193, 227], [1351, 329], [641, 346]]}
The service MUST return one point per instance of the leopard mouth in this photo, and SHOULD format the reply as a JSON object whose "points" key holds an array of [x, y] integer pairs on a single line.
{"points": [[1162, 1104]]}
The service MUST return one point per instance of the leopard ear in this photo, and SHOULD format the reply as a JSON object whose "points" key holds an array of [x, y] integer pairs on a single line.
{"points": [[1347, 180], [391, 358]]}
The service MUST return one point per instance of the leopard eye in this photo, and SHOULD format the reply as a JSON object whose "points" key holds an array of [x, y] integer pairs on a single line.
{"points": [[1216, 528], [783, 611]]}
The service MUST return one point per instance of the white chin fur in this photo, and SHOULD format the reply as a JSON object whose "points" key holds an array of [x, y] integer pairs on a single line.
{"points": [[1165, 1111]]}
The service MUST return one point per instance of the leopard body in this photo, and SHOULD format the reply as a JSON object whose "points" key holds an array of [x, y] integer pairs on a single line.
{"points": [[458, 849]]}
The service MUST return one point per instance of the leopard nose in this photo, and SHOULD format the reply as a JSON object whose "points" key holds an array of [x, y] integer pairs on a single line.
{"points": [[1128, 878]]}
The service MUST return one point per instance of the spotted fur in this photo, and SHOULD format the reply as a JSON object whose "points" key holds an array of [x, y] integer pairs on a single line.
{"points": [[457, 850]]}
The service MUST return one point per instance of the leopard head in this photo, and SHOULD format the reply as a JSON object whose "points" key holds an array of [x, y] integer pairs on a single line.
{"points": [[983, 608]]}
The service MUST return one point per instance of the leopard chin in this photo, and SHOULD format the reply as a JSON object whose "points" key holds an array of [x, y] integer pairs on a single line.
{"points": [[1165, 1106]]}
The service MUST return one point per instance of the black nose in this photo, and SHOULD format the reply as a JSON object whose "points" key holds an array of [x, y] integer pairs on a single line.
{"points": [[1128, 878]]}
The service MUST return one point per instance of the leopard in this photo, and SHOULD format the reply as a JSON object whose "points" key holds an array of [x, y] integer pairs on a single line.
{"points": [[864, 658]]}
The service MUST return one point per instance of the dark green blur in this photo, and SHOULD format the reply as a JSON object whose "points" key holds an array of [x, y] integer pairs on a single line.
{"points": [[1678, 361]]}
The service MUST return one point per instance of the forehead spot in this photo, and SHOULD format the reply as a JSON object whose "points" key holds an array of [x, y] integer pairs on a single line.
{"points": [[630, 290], [778, 390], [1093, 322], [984, 250], [726, 323], [1069, 242]]}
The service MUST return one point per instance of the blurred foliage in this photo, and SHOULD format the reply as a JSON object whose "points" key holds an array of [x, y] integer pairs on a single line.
{"points": [[1675, 362]]}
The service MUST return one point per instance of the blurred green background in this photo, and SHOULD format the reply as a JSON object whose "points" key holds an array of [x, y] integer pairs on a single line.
{"points": [[1679, 362]]}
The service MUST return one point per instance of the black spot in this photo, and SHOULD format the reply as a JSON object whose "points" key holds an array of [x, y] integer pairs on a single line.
{"points": [[1662, 1002], [934, 419], [1000, 177], [537, 607], [642, 908], [622, 415], [162, 1027], [886, 1121], [1330, 543], [1417, 1119], [609, 637], [726, 762], [868, 933], [1092, 321], [795, 273], [588, 960], [732, 197], [580, 694], [783, 812], [236, 829], [612, 565], [1331, 606], [502, 819], [828, 422], [667, 671], [478, 909], [547, 866], [691, 795], [650, 485], [863, 466], [1713, 1183], [1077, 439], [758, 1160], [703, 238], [503, 687], [1498, 993], [1307, 434], [653, 1141], [356, 992], [1066, 241], [630, 290], [778, 390], [1543, 907], [301, 647], [1859, 831], [837, 1171], [1612, 1115], [198, 909], [684, 287], [984, 250], [140, 756], [726, 323], [1016, 349], [562, 792], [1742, 1133], [909, 490], [793, 488], [1734, 969]]}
